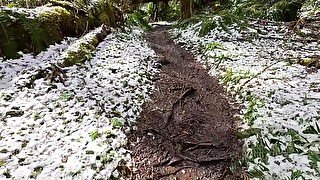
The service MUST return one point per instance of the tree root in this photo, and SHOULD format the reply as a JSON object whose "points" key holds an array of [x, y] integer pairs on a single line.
{"points": [[201, 145], [181, 97], [202, 161]]}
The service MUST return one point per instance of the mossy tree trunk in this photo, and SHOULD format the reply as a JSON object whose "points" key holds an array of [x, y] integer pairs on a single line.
{"points": [[48, 27]]}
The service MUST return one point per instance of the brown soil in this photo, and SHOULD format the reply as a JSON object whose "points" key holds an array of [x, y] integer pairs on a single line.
{"points": [[187, 129]]}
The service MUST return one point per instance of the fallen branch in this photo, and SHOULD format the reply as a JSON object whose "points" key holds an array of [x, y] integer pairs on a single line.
{"points": [[82, 49]]}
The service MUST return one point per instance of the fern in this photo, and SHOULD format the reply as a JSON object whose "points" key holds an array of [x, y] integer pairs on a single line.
{"points": [[137, 19], [8, 46], [35, 32]]}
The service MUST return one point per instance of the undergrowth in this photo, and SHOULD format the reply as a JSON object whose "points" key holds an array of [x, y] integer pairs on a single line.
{"points": [[37, 32], [222, 20], [138, 19]]}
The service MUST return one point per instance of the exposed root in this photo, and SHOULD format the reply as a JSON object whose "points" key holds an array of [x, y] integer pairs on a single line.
{"points": [[181, 97]]}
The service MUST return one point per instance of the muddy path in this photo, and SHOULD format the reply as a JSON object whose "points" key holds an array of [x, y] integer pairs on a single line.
{"points": [[187, 129]]}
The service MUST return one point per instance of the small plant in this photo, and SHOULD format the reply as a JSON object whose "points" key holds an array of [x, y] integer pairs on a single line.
{"points": [[109, 134], [248, 132], [235, 78], [254, 104], [94, 135], [314, 157], [7, 173], [295, 175], [256, 173], [2, 163], [24, 144], [305, 99], [313, 85], [12, 5], [271, 93], [109, 157], [220, 58], [312, 130], [36, 171], [4, 151], [206, 26], [74, 173], [259, 150], [116, 123], [214, 45], [36, 116], [65, 96]]}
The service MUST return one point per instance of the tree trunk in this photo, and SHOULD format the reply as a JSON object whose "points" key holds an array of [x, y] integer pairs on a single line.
{"points": [[164, 10], [186, 9]]}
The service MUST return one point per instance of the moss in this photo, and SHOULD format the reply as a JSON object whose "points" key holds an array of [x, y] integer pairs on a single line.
{"points": [[309, 62], [2, 163], [95, 41], [83, 53], [105, 13]]}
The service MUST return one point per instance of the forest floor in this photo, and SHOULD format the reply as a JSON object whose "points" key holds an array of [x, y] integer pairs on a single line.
{"points": [[187, 130], [75, 122], [271, 70]]}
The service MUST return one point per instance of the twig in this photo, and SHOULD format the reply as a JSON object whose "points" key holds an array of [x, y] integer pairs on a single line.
{"points": [[255, 76]]}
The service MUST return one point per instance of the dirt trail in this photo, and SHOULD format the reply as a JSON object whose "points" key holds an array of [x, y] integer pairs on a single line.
{"points": [[187, 130]]}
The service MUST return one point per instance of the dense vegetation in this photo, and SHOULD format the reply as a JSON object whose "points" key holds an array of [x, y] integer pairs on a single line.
{"points": [[45, 22]]}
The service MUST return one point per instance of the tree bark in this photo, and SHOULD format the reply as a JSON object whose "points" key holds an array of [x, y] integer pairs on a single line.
{"points": [[186, 9]]}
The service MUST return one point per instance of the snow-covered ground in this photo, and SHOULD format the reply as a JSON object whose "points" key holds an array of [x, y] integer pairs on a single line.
{"points": [[310, 7], [11, 68], [77, 130], [281, 98]]}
